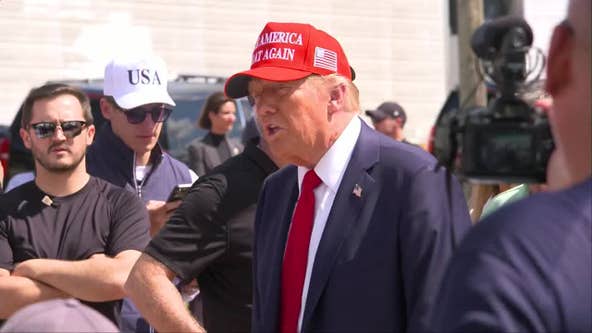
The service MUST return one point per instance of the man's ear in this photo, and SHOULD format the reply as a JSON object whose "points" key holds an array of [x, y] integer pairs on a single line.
{"points": [[90, 134], [106, 108], [26, 137], [337, 98], [558, 61]]}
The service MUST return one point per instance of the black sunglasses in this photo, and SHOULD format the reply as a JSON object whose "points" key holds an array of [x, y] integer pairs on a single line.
{"points": [[71, 128], [159, 113]]}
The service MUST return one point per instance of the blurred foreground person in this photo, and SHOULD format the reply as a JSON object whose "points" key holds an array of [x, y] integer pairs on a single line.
{"points": [[58, 316], [209, 238], [528, 266], [356, 236], [66, 234]]}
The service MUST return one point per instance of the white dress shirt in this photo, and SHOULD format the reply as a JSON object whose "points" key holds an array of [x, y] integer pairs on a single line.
{"points": [[330, 170]]}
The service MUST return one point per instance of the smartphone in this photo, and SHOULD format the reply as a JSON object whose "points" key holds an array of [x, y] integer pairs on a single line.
{"points": [[179, 192]]}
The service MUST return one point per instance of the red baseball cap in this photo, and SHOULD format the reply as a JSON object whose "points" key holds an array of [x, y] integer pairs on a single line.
{"points": [[288, 52]]}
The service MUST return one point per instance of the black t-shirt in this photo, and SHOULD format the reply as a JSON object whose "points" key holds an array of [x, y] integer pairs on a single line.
{"points": [[525, 268], [100, 218], [210, 237]]}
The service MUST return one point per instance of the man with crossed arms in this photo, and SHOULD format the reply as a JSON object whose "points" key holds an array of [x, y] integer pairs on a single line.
{"points": [[66, 234]]}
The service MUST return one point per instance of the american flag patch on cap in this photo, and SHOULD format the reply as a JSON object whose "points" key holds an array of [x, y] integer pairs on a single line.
{"points": [[326, 59]]}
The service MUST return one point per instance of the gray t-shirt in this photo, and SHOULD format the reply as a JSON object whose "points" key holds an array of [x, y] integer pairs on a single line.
{"points": [[100, 218]]}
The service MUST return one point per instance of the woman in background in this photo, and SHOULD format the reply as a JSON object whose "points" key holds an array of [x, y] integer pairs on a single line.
{"points": [[217, 116]]}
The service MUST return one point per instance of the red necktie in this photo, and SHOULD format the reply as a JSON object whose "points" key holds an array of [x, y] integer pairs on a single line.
{"points": [[296, 255]]}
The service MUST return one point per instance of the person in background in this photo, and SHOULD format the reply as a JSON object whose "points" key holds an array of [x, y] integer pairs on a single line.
{"points": [[218, 117], [19, 179], [356, 235], [527, 266], [66, 234], [219, 215], [389, 118], [126, 151]]}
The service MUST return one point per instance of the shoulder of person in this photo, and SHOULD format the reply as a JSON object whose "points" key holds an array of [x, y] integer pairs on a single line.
{"points": [[533, 225], [406, 164], [12, 199], [112, 191], [197, 142], [398, 155], [283, 176], [217, 181], [173, 162], [207, 194]]}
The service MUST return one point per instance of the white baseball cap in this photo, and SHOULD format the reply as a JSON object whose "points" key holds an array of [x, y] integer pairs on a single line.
{"points": [[136, 80]]}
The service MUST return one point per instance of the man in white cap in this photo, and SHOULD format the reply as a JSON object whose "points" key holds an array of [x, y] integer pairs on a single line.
{"points": [[126, 151]]}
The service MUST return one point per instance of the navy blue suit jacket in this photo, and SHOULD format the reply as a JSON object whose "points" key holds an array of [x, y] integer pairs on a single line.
{"points": [[382, 254]]}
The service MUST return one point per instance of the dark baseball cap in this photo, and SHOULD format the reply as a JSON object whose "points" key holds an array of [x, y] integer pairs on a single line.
{"points": [[387, 109], [58, 315]]}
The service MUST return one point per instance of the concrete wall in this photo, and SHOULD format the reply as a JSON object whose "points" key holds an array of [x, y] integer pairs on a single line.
{"points": [[397, 47], [543, 15]]}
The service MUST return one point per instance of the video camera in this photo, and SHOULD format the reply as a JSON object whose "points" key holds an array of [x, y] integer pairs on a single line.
{"points": [[509, 140]]}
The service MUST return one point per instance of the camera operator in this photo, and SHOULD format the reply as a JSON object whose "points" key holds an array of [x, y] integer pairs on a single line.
{"points": [[527, 267]]}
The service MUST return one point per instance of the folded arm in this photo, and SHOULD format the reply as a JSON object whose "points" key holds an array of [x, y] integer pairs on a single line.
{"points": [[17, 292], [97, 279], [150, 288]]}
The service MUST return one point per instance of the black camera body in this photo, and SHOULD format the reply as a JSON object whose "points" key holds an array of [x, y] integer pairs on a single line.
{"points": [[508, 141], [506, 147]]}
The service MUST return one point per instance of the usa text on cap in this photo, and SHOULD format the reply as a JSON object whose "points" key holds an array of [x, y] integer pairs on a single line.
{"points": [[136, 80]]}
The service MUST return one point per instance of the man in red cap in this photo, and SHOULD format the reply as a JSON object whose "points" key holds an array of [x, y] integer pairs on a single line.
{"points": [[356, 235]]}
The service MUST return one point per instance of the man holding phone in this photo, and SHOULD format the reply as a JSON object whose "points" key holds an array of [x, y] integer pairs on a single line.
{"points": [[126, 151], [179, 192]]}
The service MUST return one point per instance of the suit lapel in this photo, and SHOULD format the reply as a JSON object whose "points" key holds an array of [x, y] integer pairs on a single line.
{"points": [[277, 234], [352, 208], [212, 158], [233, 147]]}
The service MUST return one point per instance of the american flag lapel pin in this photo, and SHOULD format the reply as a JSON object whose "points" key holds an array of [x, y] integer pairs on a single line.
{"points": [[357, 191]]}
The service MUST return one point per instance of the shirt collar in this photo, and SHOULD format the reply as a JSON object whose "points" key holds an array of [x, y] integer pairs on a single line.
{"points": [[332, 165]]}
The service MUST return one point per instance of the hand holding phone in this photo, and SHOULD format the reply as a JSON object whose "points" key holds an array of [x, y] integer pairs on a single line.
{"points": [[179, 192]]}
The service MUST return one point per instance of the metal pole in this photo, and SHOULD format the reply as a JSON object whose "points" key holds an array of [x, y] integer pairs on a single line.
{"points": [[471, 90]]}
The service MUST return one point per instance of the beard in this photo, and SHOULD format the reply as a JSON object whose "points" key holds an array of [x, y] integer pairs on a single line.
{"points": [[58, 166]]}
